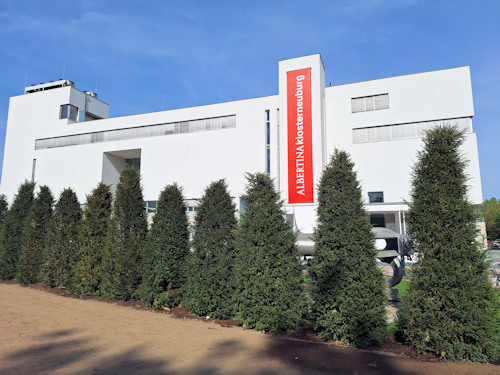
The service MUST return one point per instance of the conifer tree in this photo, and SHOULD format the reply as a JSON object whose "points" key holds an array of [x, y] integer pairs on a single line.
{"points": [[347, 287], [4, 207], [87, 272], [12, 230], [167, 245], [451, 309], [62, 240], [125, 240], [268, 292], [209, 287], [34, 237]]}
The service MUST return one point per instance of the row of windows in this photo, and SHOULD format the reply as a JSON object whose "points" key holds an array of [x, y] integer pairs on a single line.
{"points": [[150, 207], [370, 103], [402, 131], [192, 126]]}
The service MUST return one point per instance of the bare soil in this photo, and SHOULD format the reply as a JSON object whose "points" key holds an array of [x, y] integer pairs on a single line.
{"points": [[42, 332]]}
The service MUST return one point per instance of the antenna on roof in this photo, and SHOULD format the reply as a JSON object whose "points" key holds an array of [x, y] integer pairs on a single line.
{"points": [[64, 70]]}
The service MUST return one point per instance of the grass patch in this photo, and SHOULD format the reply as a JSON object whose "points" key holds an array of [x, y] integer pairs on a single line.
{"points": [[402, 288]]}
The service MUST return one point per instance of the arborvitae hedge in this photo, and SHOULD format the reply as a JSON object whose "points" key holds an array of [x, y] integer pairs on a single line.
{"points": [[12, 230], [125, 240], [451, 309], [34, 237], [348, 287], [87, 272], [268, 293], [210, 286], [4, 207], [62, 240], [167, 245]]}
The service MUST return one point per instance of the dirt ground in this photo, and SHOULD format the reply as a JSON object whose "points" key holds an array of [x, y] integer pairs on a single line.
{"points": [[46, 333]]}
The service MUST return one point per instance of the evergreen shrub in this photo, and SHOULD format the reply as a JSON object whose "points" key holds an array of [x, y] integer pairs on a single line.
{"points": [[167, 245], [451, 309], [209, 287], [34, 237], [348, 288], [268, 294]]}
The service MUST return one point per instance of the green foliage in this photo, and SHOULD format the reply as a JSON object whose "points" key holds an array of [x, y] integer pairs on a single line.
{"points": [[209, 287], [34, 237], [62, 240], [167, 245], [4, 207], [348, 287], [268, 292], [125, 239], [492, 218], [87, 272], [451, 306], [12, 230], [402, 288]]}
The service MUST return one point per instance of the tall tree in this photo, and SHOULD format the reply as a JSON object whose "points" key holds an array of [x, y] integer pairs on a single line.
{"points": [[125, 240], [34, 237], [268, 292], [4, 207], [87, 272], [62, 240], [491, 213], [209, 287], [347, 288], [167, 245], [451, 306], [12, 230]]}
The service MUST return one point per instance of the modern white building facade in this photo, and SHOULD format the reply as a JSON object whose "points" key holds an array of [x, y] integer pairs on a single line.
{"points": [[62, 137]]}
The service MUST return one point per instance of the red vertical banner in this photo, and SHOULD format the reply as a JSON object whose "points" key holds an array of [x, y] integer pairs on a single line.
{"points": [[300, 163]]}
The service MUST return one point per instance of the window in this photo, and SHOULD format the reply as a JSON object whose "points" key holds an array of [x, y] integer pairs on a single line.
{"points": [[134, 163], [370, 103], [404, 131], [376, 197], [268, 143], [150, 206], [226, 122], [69, 111], [377, 220]]}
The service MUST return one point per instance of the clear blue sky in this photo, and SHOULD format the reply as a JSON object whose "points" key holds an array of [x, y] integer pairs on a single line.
{"points": [[145, 56]]}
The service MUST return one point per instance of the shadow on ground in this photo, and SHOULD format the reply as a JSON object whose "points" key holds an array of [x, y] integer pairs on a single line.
{"points": [[65, 352]]}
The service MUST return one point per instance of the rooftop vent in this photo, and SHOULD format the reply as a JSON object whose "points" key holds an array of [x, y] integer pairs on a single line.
{"points": [[48, 86]]}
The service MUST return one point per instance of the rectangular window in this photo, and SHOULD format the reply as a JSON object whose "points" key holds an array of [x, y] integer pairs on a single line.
{"points": [[150, 206], [69, 111], [376, 197], [134, 163], [370, 103], [268, 143], [377, 220], [396, 132]]}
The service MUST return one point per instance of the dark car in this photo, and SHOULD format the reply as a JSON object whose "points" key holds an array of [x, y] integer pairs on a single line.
{"points": [[495, 245]]}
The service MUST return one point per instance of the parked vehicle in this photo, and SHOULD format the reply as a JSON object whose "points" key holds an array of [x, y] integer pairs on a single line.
{"points": [[495, 245]]}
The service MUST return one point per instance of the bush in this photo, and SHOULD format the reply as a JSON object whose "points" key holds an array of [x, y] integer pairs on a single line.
{"points": [[62, 240], [347, 287], [87, 272], [451, 306], [11, 236], [125, 239], [167, 245], [34, 237], [268, 292], [209, 286]]}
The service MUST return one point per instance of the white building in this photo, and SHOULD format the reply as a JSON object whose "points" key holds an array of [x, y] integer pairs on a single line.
{"points": [[62, 137]]}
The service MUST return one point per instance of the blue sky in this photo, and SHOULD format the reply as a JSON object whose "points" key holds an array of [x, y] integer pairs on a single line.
{"points": [[145, 56]]}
